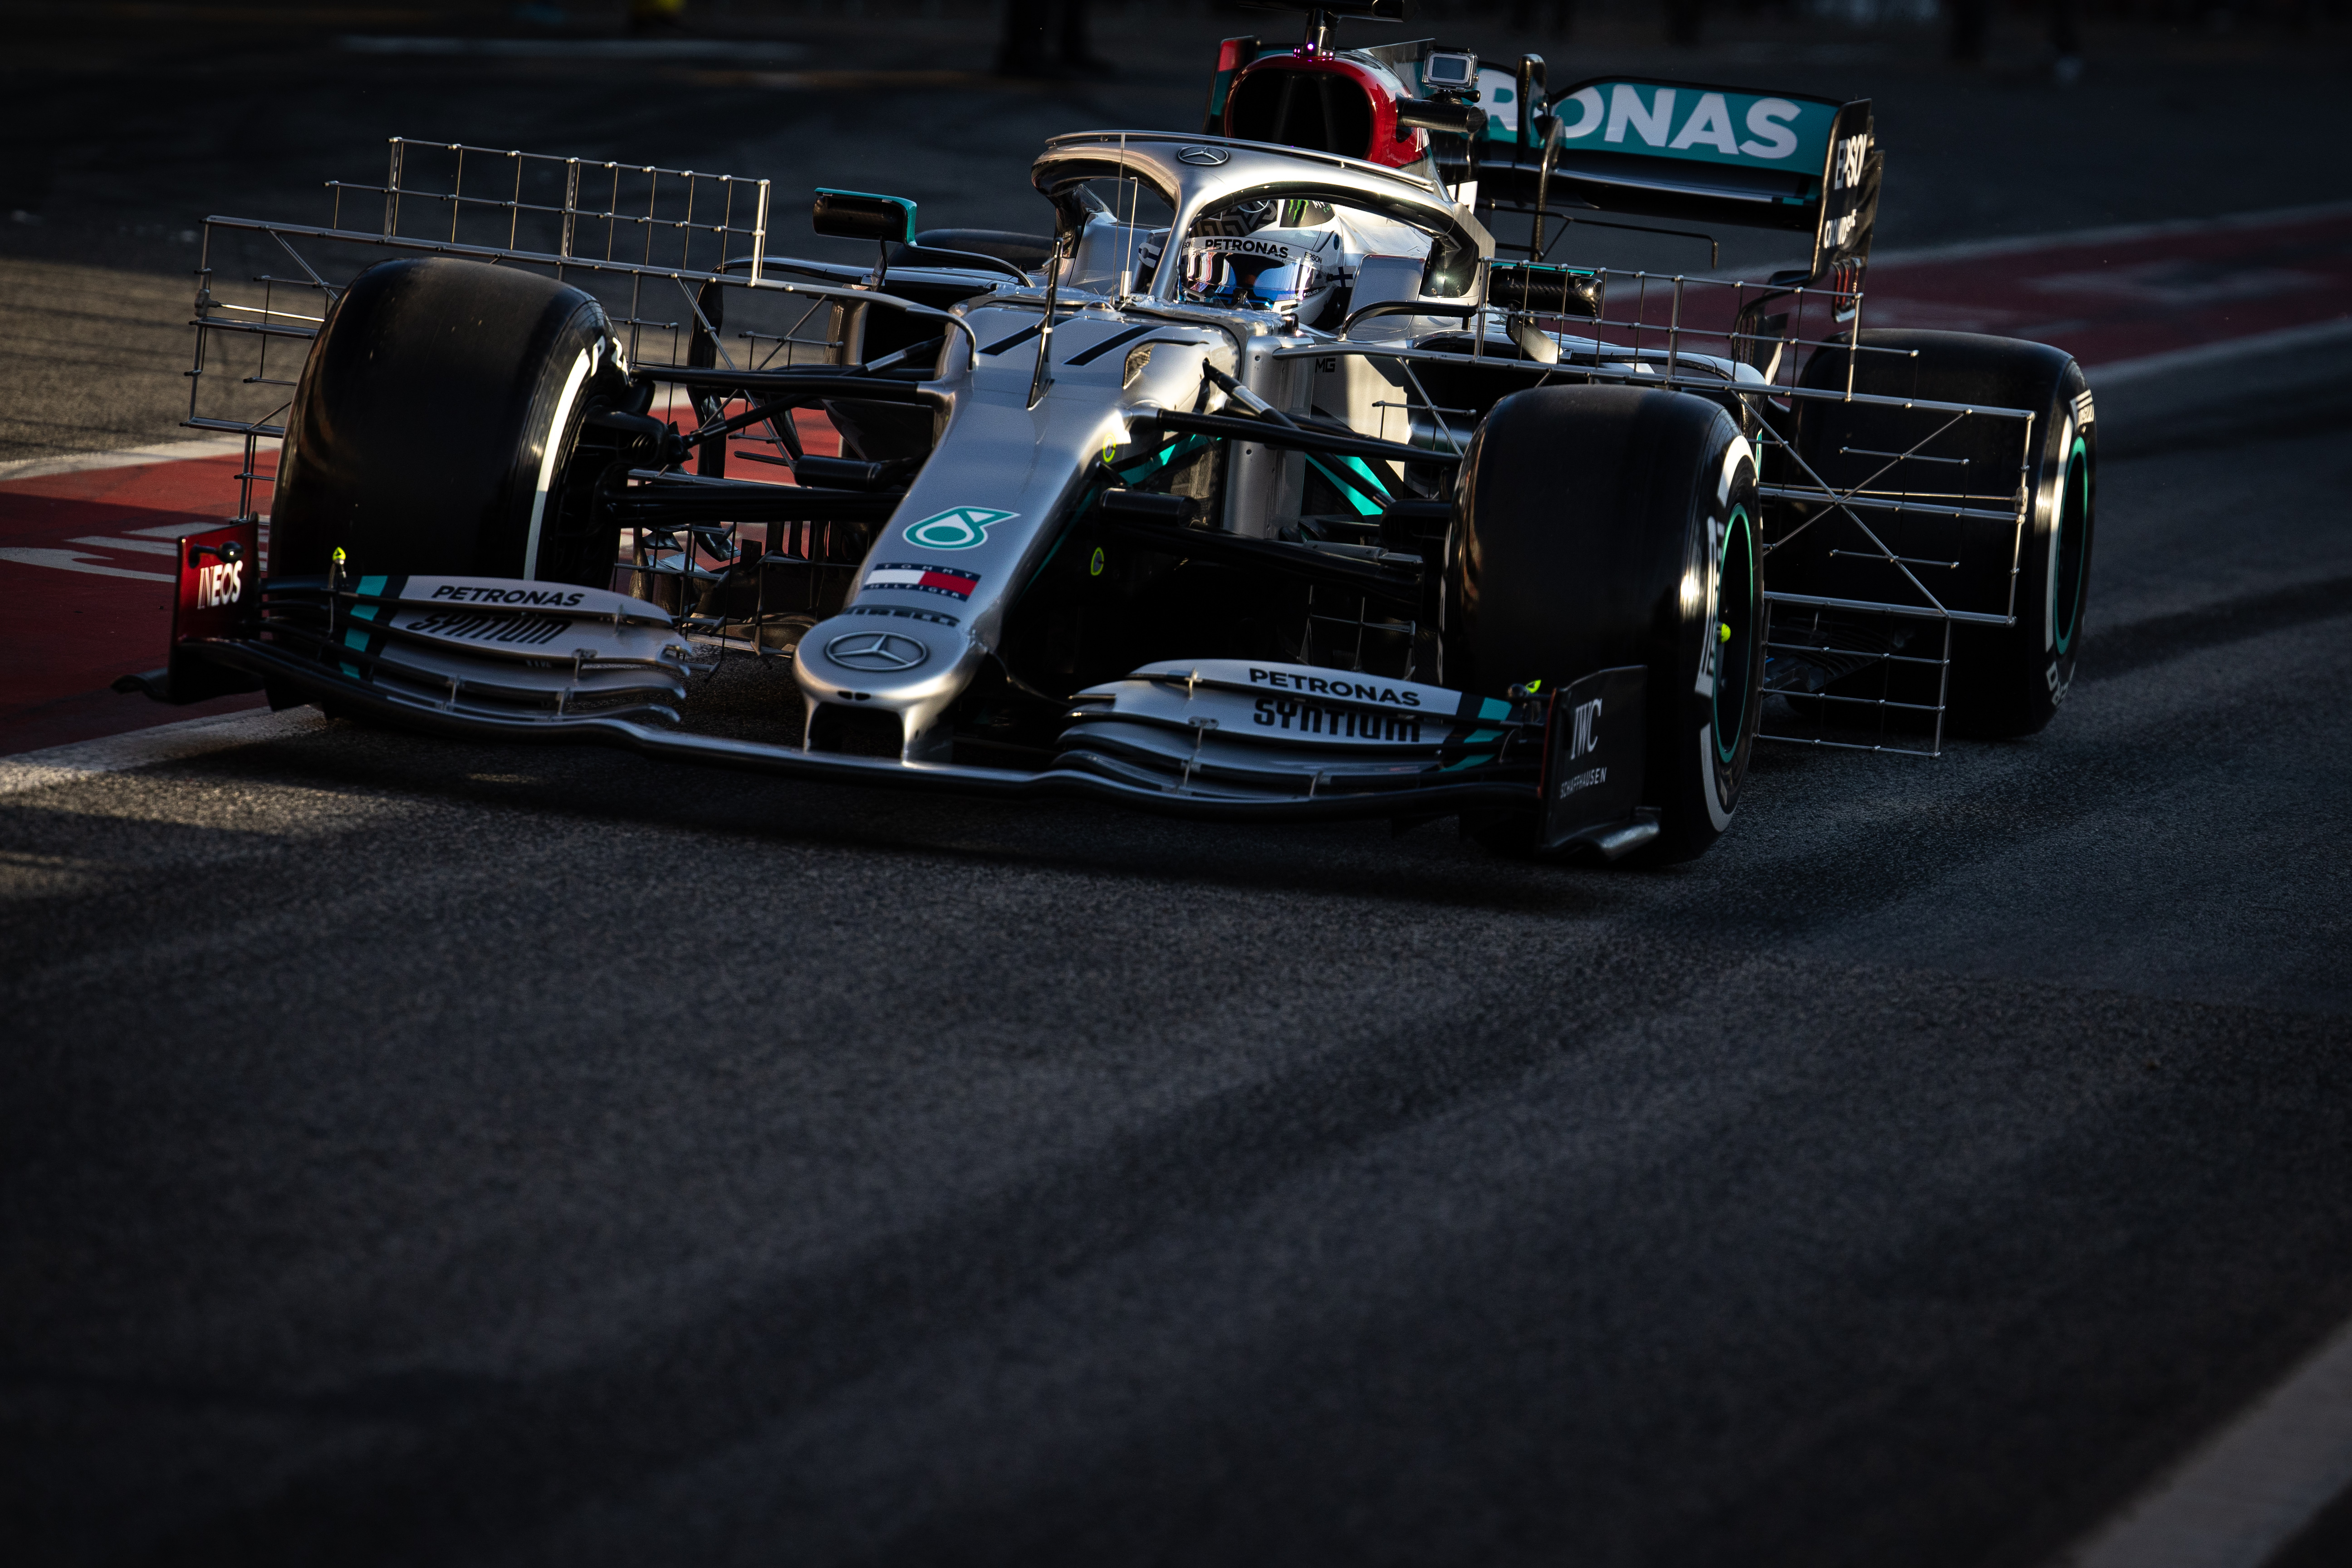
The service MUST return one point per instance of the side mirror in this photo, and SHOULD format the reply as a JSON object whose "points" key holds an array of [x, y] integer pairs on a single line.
{"points": [[1438, 114], [856, 214], [1451, 273], [1536, 289]]}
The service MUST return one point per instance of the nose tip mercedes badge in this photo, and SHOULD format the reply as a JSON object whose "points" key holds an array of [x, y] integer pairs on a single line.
{"points": [[885, 653]]}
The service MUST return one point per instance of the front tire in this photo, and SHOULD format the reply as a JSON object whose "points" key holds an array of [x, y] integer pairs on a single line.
{"points": [[437, 428], [1598, 526]]}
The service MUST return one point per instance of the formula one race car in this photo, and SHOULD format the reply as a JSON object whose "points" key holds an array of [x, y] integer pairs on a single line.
{"points": [[1270, 484]]}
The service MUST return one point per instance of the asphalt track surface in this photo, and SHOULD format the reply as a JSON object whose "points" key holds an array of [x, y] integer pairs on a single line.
{"points": [[420, 1152]]}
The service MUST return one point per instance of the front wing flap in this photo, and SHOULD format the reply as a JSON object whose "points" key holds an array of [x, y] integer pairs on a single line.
{"points": [[1297, 727], [522, 650], [1214, 738]]}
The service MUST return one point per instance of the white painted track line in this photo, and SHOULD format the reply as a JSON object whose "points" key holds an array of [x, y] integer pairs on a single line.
{"points": [[142, 748], [127, 457], [2055, 239], [2110, 233], [78, 561], [2244, 1494], [2318, 335]]}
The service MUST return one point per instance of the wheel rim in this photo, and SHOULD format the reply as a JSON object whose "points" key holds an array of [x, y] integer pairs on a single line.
{"points": [[1735, 595], [2074, 532]]}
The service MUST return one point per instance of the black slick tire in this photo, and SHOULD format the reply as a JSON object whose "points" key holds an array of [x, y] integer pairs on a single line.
{"points": [[437, 428], [1601, 526], [2004, 680]]}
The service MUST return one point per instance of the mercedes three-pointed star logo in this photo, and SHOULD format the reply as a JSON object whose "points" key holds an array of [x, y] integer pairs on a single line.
{"points": [[884, 653], [1206, 157]]}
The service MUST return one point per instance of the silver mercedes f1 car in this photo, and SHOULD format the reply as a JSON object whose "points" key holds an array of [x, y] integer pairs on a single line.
{"points": [[1272, 482]]}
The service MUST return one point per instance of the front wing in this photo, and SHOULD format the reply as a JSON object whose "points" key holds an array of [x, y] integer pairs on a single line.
{"points": [[1219, 740]]}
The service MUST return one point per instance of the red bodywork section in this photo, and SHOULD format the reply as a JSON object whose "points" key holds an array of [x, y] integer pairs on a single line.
{"points": [[219, 601], [1325, 103], [220, 580]]}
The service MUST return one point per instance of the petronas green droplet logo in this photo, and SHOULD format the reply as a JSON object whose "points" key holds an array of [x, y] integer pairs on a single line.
{"points": [[958, 528]]}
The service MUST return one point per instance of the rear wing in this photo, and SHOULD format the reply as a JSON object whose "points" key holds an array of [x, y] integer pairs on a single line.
{"points": [[1696, 153], [1643, 147]]}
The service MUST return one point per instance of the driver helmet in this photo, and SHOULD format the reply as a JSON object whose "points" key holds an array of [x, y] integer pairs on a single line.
{"points": [[1290, 270]]}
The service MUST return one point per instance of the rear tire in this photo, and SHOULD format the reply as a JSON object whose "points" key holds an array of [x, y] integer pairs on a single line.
{"points": [[2004, 680], [1597, 526], [437, 428]]}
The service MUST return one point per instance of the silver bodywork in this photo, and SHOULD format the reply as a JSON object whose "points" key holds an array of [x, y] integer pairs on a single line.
{"points": [[1012, 472], [1028, 461]]}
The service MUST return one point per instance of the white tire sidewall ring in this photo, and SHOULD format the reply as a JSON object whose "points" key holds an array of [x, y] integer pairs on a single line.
{"points": [[2058, 663], [1715, 779]]}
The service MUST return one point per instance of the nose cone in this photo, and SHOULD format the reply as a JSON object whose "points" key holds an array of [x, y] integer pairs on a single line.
{"points": [[913, 668]]}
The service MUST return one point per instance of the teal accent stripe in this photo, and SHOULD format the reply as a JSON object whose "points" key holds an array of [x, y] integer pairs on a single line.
{"points": [[1136, 468], [1491, 707], [1358, 465], [356, 638], [1365, 506]]}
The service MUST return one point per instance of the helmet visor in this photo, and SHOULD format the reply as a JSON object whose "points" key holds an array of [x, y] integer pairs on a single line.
{"points": [[1244, 271]]}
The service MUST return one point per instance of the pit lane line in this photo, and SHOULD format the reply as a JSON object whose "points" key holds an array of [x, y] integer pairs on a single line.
{"points": [[175, 452], [68, 560], [135, 541], [2201, 356], [2132, 300], [2110, 233], [170, 742], [2251, 1487], [2049, 239]]}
